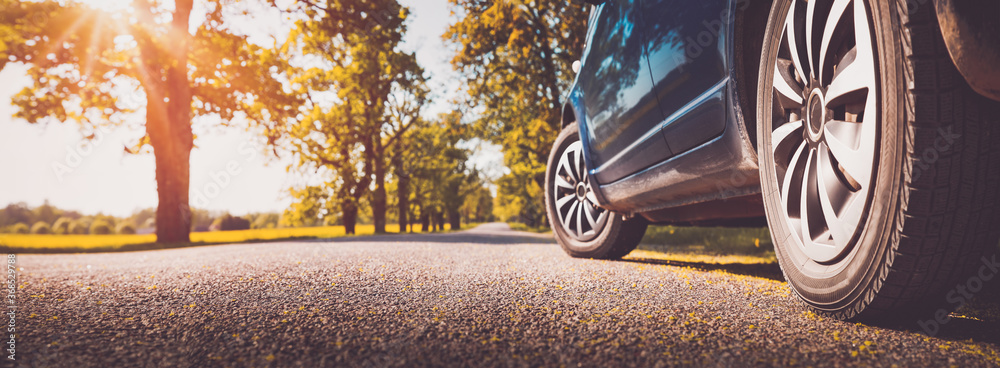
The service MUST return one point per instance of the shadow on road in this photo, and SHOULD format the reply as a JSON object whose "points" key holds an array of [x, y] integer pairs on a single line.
{"points": [[493, 233], [458, 237], [763, 270]]}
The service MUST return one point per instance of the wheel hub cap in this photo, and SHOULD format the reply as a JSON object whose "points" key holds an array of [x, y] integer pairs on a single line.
{"points": [[825, 124], [575, 206], [816, 115]]}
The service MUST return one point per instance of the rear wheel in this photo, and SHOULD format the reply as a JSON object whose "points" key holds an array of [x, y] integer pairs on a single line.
{"points": [[878, 163], [581, 227]]}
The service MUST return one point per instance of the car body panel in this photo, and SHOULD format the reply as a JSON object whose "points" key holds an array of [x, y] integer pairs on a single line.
{"points": [[638, 169], [618, 99]]}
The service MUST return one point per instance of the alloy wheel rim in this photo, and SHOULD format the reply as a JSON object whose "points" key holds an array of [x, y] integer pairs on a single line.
{"points": [[825, 124], [575, 205]]}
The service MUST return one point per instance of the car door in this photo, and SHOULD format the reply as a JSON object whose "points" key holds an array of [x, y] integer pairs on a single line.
{"points": [[686, 45], [622, 111]]}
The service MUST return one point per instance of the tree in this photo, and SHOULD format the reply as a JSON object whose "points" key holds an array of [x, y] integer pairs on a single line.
{"points": [[478, 205], [41, 227], [516, 57], [438, 173], [347, 127], [62, 226], [19, 228], [16, 213], [100, 227], [101, 69], [309, 205], [125, 228]]}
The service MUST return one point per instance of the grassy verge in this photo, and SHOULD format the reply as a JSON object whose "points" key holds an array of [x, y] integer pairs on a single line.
{"points": [[16, 243], [517, 226], [711, 245]]}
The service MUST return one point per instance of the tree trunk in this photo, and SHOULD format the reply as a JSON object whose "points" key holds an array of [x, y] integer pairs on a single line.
{"points": [[455, 219], [379, 195], [168, 124], [350, 216], [403, 192], [173, 216], [425, 220], [438, 220]]}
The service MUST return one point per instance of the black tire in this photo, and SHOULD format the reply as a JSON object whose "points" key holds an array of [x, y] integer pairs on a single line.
{"points": [[613, 238], [932, 208]]}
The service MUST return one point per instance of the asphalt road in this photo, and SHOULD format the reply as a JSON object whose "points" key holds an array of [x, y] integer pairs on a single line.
{"points": [[485, 297]]}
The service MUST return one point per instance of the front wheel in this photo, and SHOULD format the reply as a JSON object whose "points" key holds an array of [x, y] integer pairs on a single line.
{"points": [[878, 163], [581, 227]]}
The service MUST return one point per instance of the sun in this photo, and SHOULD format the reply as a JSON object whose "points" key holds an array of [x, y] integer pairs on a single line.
{"points": [[108, 5]]}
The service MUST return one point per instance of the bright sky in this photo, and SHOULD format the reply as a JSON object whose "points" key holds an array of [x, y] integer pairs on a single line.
{"points": [[103, 178]]}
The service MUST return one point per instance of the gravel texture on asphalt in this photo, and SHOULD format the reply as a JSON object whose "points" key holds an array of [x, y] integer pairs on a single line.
{"points": [[484, 297]]}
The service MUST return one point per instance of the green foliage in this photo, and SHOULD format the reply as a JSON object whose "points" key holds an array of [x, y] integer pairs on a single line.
{"points": [[309, 206], [265, 221], [62, 226], [360, 94], [234, 223], [229, 222], [125, 228], [516, 57], [41, 228], [100, 227], [478, 205], [714, 239], [19, 228], [16, 213], [437, 170], [78, 228]]}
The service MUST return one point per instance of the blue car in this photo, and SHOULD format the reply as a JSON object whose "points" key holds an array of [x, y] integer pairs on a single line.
{"points": [[865, 134]]}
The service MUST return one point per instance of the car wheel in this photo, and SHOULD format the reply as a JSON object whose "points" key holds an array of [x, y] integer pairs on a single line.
{"points": [[879, 165], [581, 227]]}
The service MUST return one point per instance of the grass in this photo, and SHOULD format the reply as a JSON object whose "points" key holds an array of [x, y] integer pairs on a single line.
{"points": [[517, 226], [710, 245], [18, 243]]}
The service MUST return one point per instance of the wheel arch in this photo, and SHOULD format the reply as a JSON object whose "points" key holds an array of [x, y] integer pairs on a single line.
{"points": [[568, 114], [748, 30]]}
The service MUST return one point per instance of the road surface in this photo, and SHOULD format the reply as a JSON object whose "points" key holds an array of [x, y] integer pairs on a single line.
{"points": [[485, 297]]}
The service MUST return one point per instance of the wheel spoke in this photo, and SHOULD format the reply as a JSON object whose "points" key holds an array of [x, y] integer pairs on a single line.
{"points": [[808, 184], [862, 33], [855, 163], [786, 86], [562, 183], [836, 16], [561, 202], [590, 216], [564, 165], [856, 75], [569, 217], [784, 138], [828, 181], [845, 131], [579, 218], [810, 18], [790, 39], [787, 180], [602, 218]]}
